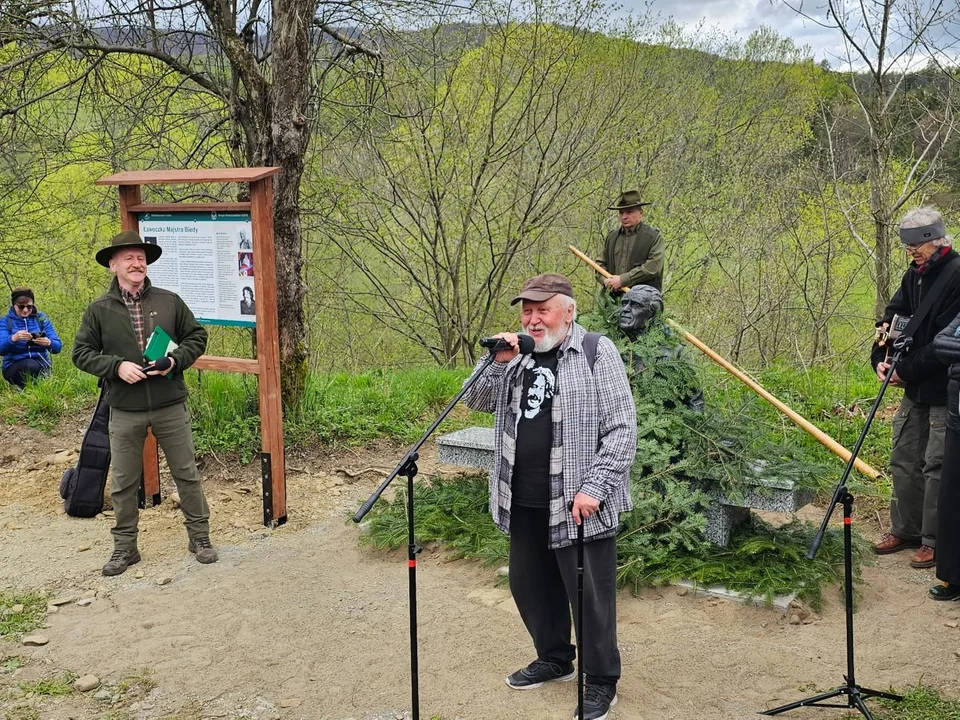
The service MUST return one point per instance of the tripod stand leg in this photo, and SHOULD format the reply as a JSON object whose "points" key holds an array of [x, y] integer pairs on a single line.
{"points": [[861, 706], [806, 702], [868, 693]]}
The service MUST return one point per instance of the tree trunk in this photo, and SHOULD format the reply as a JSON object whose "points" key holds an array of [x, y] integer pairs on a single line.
{"points": [[289, 137]]}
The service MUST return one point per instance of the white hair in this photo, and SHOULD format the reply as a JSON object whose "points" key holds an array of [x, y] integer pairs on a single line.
{"points": [[568, 301], [923, 216]]}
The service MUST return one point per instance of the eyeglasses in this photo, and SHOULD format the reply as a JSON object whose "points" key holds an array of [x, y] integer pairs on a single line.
{"points": [[24, 307]]}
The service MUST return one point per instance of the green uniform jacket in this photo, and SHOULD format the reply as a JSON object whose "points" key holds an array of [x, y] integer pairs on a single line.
{"points": [[106, 338], [637, 257]]}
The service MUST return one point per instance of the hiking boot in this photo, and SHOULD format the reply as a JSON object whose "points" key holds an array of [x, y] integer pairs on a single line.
{"points": [[120, 561], [597, 701], [538, 672], [203, 549]]}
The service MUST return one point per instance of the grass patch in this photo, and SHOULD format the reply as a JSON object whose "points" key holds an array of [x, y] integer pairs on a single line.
{"points": [[21, 613], [336, 408], [836, 400], [399, 404], [50, 687], [45, 402], [137, 686], [919, 703], [761, 560], [9, 664]]}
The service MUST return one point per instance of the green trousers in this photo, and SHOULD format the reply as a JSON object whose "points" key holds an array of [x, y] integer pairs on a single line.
{"points": [[171, 426]]}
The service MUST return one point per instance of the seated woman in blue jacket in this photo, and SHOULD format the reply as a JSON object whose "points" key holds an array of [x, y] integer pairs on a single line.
{"points": [[27, 338]]}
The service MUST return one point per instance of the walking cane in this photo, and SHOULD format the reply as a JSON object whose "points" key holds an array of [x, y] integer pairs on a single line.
{"points": [[580, 610], [579, 619]]}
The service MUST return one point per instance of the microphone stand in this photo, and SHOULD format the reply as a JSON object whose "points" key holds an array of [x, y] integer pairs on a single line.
{"points": [[408, 468], [841, 496]]}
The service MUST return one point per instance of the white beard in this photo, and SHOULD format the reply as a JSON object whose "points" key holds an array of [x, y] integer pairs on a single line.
{"points": [[550, 339]]}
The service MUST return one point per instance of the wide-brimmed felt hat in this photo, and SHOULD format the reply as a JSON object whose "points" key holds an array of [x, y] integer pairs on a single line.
{"points": [[543, 287], [629, 199], [128, 239]]}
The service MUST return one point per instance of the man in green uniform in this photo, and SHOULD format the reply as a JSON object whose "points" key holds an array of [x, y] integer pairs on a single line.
{"points": [[633, 253], [110, 344]]}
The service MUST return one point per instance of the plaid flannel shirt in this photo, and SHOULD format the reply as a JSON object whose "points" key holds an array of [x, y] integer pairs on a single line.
{"points": [[594, 438]]}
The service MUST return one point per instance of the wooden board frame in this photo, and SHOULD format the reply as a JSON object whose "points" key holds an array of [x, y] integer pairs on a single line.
{"points": [[267, 364]]}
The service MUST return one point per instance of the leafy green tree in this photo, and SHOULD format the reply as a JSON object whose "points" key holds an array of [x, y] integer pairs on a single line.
{"points": [[257, 67]]}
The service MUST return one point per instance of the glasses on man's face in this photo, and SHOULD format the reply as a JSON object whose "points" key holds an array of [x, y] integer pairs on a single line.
{"points": [[914, 247], [24, 307]]}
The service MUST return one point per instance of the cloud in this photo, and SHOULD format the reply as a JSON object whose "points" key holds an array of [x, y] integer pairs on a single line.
{"points": [[804, 21]]}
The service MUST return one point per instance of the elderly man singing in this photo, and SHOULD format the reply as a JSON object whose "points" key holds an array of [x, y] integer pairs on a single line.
{"points": [[566, 436]]}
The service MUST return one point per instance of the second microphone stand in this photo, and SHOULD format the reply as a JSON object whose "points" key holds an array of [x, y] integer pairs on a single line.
{"points": [[408, 468], [841, 496]]}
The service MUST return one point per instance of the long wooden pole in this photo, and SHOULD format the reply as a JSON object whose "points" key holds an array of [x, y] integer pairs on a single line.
{"points": [[825, 439]]}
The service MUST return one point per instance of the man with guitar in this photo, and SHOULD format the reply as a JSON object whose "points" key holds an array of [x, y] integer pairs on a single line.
{"points": [[927, 301]]}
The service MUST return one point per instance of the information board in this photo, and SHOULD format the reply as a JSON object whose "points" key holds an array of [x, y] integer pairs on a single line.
{"points": [[207, 260]]}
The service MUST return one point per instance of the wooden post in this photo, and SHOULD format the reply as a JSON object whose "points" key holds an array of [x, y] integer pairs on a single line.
{"points": [[267, 364], [268, 352], [150, 480]]}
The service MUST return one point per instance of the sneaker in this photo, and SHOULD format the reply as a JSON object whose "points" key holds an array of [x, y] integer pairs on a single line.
{"points": [[540, 671], [203, 549], [120, 561], [597, 701]]}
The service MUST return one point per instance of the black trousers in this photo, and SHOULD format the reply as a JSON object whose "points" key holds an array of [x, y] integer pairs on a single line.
{"points": [[544, 586], [18, 372], [948, 521]]}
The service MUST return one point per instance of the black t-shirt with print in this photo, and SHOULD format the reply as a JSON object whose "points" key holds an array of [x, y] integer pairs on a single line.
{"points": [[531, 469]]}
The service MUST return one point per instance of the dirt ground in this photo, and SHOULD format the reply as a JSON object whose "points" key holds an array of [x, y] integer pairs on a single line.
{"points": [[303, 622]]}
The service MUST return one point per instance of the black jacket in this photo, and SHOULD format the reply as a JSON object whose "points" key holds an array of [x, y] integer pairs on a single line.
{"points": [[947, 347], [923, 373]]}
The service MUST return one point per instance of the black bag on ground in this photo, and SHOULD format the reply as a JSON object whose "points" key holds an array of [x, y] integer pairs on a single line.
{"points": [[82, 485]]}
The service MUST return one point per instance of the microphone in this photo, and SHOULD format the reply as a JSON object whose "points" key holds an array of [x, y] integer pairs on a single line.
{"points": [[160, 364], [495, 345]]}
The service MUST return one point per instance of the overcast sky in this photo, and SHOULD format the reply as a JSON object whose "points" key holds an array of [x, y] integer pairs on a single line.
{"points": [[742, 17]]}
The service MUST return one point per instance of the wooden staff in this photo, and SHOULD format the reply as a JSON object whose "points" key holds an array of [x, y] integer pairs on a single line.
{"points": [[825, 439]]}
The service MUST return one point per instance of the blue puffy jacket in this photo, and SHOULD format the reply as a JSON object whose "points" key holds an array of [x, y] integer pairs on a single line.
{"points": [[35, 322]]}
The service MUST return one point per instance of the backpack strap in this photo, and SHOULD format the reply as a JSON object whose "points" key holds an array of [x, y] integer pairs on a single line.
{"points": [[590, 342]]}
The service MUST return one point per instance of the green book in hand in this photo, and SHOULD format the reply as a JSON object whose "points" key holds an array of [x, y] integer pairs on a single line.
{"points": [[159, 344]]}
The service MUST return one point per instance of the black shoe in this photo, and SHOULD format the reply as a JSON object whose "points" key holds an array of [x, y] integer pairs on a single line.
{"points": [[597, 701], [538, 672], [120, 561], [945, 592], [203, 549]]}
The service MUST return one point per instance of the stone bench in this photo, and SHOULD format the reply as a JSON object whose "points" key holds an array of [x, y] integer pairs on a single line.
{"points": [[473, 447]]}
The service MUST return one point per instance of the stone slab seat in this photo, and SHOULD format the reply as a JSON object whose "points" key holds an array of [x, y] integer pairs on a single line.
{"points": [[473, 447]]}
